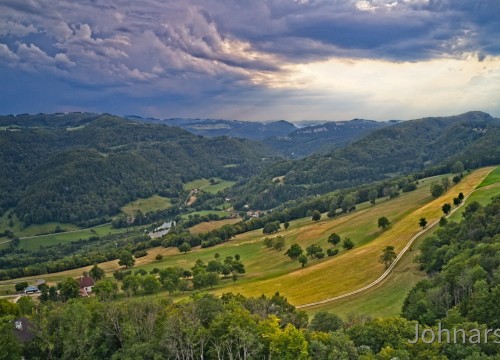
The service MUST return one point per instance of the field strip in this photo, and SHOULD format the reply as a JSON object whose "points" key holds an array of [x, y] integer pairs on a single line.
{"points": [[53, 234], [64, 232], [389, 269]]}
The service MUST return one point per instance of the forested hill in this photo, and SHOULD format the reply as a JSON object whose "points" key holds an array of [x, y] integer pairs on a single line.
{"points": [[429, 143], [79, 167], [322, 138]]}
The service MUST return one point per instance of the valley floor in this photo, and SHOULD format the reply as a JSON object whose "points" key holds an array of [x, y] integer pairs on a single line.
{"points": [[269, 271]]}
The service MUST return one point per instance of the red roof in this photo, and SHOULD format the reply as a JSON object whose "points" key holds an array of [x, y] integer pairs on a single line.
{"points": [[86, 282]]}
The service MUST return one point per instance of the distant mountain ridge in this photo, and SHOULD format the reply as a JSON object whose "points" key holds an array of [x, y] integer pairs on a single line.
{"points": [[220, 127], [281, 136], [324, 137]]}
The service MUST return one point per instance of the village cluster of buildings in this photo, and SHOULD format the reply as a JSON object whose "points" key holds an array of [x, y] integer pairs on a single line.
{"points": [[23, 327], [86, 285]]}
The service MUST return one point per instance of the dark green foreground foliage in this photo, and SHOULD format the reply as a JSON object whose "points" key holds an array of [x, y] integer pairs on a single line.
{"points": [[206, 327], [463, 291], [464, 261]]}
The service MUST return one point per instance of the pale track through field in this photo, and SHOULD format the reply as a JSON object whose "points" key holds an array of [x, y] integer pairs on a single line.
{"points": [[389, 269]]}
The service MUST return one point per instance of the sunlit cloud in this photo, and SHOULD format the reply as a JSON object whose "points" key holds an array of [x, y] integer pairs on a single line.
{"points": [[292, 59]]}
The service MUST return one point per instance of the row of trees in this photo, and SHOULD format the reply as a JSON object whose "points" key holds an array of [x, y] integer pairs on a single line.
{"points": [[314, 251], [174, 279]]}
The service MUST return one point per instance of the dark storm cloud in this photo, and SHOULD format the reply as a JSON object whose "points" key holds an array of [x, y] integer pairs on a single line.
{"points": [[196, 47], [395, 30]]}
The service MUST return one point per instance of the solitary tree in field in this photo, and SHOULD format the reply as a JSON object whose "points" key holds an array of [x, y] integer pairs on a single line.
{"points": [[279, 243], [388, 256], [347, 244], [212, 279], [446, 208], [271, 227], [286, 225], [313, 250], [268, 242], [126, 259], [422, 223], [446, 183], [383, 222], [294, 251], [456, 201], [316, 215], [437, 190], [303, 260], [184, 247], [334, 239], [461, 196]]}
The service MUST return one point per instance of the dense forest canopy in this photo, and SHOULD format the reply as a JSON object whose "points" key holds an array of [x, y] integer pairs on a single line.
{"points": [[93, 165], [463, 260], [428, 145]]}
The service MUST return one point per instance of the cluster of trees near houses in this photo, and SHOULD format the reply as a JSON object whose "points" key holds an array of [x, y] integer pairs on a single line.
{"points": [[462, 293], [16, 262]]}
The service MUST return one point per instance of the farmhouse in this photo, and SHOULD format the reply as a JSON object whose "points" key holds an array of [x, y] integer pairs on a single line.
{"points": [[23, 330], [31, 289], [86, 285]]}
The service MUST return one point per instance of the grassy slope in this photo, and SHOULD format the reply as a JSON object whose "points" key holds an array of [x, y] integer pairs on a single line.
{"points": [[493, 178], [31, 230], [205, 185], [155, 202], [269, 271], [211, 225], [337, 275], [262, 263], [482, 195], [387, 298], [54, 239]]}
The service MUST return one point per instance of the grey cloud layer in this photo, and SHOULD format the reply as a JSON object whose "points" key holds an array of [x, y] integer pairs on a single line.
{"points": [[196, 47]]}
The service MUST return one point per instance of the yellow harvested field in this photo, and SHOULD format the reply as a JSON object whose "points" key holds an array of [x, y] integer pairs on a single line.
{"points": [[357, 267], [269, 271]]}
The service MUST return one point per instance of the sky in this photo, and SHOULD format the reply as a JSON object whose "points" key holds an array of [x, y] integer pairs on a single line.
{"points": [[251, 60]]}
